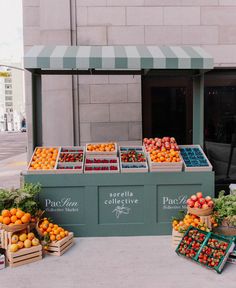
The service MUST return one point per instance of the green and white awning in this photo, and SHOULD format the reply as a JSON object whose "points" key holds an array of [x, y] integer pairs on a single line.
{"points": [[117, 57]]}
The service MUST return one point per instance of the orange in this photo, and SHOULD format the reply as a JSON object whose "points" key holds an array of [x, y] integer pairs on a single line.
{"points": [[58, 237], [1, 219], [62, 234], [55, 231], [13, 211], [6, 220], [45, 233], [25, 219], [18, 222], [49, 229], [20, 244], [19, 214], [13, 218], [51, 225], [66, 233], [6, 213], [52, 237]]}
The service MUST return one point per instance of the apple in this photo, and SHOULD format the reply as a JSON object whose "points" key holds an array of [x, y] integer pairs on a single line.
{"points": [[205, 206], [197, 205], [190, 203], [210, 204], [194, 198], [199, 195], [208, 198], [202, 201]]}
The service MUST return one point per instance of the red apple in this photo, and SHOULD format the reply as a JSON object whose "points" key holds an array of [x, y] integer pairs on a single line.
{"points": [[190, 203], [194, 198], [199, 195], [202, 201], [197, 205], [210, 204], [208, 198], [204, 206]]}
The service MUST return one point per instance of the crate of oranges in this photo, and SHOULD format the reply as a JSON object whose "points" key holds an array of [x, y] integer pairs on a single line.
{"points": [[56, 240], [44, 160], [109, 148], [14, 220]]}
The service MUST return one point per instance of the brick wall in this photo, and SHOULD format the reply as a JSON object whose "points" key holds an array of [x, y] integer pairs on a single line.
{"points": [[110, 107]]}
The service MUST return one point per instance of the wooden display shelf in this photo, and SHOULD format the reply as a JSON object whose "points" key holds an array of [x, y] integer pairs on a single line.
{"points": [[58, 248], [24, 256]]}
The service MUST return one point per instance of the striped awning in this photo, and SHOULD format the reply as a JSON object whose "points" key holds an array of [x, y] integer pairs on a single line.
{"points": [[117, 57]]}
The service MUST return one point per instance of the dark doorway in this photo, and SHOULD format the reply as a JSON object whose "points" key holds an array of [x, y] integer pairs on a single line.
{"points": [[167, 107]]}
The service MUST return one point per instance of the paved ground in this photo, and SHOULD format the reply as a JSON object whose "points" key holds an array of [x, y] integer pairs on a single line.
{"points": [[109, 262], [12, 143]]}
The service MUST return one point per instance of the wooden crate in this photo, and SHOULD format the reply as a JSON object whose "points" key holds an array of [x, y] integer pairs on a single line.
{"points": [[176, 238], [165, 166], [3, 239], [58, 248], [206, 220], [95, 153], [24, 256]]}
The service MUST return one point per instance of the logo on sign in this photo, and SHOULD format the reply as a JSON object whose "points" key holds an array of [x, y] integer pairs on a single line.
{"points": [[174, 203], [121, 210], [62, 205]]}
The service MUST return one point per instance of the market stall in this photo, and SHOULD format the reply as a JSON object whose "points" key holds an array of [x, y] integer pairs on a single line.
{"points": [[137, 203]]}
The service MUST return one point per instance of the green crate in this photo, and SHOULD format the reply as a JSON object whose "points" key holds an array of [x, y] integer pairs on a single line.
{"points": [[230, 248]]}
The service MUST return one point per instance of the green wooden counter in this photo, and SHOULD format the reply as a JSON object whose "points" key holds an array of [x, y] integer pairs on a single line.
{"points": [[118, 204]]}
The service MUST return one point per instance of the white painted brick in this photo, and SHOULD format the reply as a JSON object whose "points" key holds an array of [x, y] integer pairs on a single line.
{"points": [[125, 35], [181, 15], [54, 15], [82, 16], [55, 37], [31, 16], [125, 112], [106, 16], [93, 79], [227, 2], [218, 16], [109, 131], [31, 3], [135, 131], [163, 2], [94, 112], [134, 93], [224, 55], [85, 132], [116, 79], [163, 35], [227, 34], [112, 93], [196, 35], [84, 96], [92, 35], [31, 35], [91, 3], [125, 2], [144, 16], [57, 82]]}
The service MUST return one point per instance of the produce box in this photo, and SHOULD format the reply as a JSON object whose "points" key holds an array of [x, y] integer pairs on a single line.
{"points": [[24, 256], [133, 159], [194, 158], [165, 166], [58, 248], [176, 238], [109, 148], [101, 164], [207, 249], [44, 160], [70, 160]]}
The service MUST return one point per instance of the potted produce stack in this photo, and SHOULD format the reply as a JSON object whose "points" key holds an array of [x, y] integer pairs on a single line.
{"points": [[133, 159], [101, 158], [163, 154]]}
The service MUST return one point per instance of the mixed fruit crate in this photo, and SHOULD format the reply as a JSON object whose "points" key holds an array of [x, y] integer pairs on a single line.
{"points": [[206, 248], [133, 159]]}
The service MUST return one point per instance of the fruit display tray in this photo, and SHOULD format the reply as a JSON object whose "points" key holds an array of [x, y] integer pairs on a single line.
{"points": [[133, 166], [205, 254], [65, 164], [43, 171], [101, 164], [165, 166], [95, 153], [58, 248], [194, 158]]}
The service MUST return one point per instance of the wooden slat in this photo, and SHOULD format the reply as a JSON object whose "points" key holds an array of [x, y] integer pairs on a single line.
{"points": [[31, 260]]}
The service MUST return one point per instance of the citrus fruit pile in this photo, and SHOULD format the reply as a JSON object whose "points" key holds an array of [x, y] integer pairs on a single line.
{"points": [[14, 216], [103, 147], [165, 155], [23, 240], [189, 220], [44, 159], [55, 232]]}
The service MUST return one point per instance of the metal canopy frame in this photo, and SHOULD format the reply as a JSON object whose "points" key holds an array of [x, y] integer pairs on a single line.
{"points": [[198, 96]]}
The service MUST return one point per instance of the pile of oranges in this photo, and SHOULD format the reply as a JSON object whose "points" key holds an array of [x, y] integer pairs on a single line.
{"points": [[14, 216], [55, 232], [189, 220], [165, 155], [23, 240], [44, 159], [103, 147]]}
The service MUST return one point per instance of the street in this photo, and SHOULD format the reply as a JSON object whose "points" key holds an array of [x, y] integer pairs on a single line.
{"points": [[12, 144]]}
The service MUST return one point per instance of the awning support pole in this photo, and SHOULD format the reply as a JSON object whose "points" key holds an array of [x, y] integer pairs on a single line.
{"points": [[198, 110], [37, 110]]}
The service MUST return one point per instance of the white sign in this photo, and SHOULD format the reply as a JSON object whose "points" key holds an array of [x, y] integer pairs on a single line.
{"points": [[62, 205]]}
